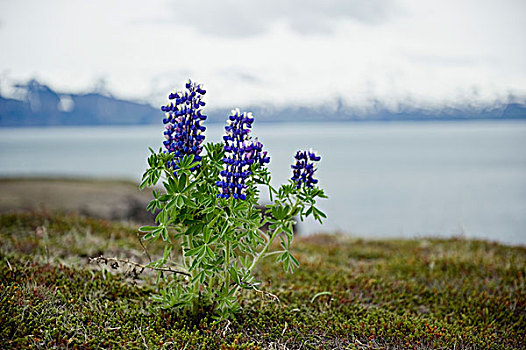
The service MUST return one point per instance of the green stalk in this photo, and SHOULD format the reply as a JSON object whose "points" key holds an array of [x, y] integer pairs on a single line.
{"points": [[190, 236], [227, 251], [189, 240], [227, 265], [263, 251]]}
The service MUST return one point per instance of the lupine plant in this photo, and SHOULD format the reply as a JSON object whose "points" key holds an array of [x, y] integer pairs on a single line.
{"points": [[208, 209]]}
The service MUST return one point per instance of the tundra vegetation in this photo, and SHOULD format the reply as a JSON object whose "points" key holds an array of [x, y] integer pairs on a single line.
{"points": [[384, 294]]}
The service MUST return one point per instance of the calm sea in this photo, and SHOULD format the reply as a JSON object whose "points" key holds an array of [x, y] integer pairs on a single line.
{"points": [[383, 179]]}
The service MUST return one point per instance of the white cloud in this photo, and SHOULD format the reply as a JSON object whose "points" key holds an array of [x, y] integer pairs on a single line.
{"points": [[304, 52], [251, 17]]}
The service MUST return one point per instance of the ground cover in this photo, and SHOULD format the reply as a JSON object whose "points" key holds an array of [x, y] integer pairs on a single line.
{"points": [[392, 294]]}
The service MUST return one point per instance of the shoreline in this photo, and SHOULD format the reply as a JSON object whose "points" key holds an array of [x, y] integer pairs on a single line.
{"points": [[110, 199], [118, 199]]}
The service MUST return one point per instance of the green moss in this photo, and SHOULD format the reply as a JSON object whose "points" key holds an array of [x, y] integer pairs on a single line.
{"points": [[399, 294]]}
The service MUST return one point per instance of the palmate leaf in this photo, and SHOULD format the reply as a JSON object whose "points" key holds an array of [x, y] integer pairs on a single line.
{"points": [[152, 206], [185, 162], [195, 251], [144, 183], [318, 214], [190, 186], [152, 232], [289, 261]]}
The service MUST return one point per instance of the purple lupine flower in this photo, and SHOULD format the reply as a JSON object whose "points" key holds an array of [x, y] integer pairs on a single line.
{"points": [[304, 168], [183, 118], [240, 153]]}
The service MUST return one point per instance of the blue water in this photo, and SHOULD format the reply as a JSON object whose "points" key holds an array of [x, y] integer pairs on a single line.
{"points": [[383, 179]]}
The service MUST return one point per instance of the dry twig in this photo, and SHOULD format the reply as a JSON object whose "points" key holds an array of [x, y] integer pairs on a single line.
{"points": [[115, 264]]}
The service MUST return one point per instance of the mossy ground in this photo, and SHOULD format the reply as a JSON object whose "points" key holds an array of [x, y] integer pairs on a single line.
{"points": [[395, 294]]}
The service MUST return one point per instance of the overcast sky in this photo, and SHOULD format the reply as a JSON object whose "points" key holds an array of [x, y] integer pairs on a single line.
{"points": [[423, 53]]}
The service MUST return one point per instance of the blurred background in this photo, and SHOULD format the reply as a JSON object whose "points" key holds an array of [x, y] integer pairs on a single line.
{"points": [[417, 108]]}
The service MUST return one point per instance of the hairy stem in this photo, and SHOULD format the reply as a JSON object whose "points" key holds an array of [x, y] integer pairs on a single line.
{"points": [[262, 253], [227, 265]]}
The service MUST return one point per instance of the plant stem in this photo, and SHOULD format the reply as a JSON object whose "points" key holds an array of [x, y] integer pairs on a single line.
{"points": [[263, 251], [188, 238], [227, 250], [227, 265], [260, 255], [273, 253]]}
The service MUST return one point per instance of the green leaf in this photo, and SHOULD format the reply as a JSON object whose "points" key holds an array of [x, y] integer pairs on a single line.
{"points": [[213, 239], [188, 202], [148, 228], [274, 226], [194, 251], [152, 206], [201, 252], [287, 228], [320, 213], [153, 234], [294, 260], [181, 183], [144, 183], [233, 273], [225, 229], [147, 236], [193, 165], [180, 201], [171, 185], [164, 233], [172, 203], [210, 252], [284, 244], [206, 234], [162, 217], [283, 256], [295, 212], [155, 178], [199, 276], [240, 206], [320, 193], [185, 162], [212, 222], [193, 228], [164, 198], [190, 185], [167, 251]]}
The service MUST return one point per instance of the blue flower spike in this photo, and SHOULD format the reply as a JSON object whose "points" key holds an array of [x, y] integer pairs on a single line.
{"points": [[304, 168], [240, 153], [183, 118]]}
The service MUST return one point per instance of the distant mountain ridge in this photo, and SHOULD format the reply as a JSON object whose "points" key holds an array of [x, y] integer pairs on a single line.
{"points": [[41, 106]]}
